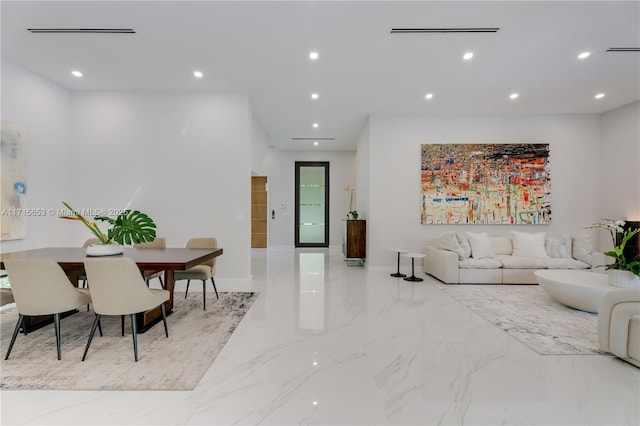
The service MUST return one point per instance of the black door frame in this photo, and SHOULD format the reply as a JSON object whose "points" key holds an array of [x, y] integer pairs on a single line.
{"points": [[298, 165]]}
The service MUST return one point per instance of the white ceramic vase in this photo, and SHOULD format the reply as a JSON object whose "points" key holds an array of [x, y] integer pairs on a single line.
{"points": [[104, 249], [620, 278]]}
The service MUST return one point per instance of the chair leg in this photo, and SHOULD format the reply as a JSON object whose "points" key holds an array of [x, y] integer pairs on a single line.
{"points": [[214, 287], [134, 329], [15, 334], [161, 282], [56, 323], [164, 319], [96, 321], [100, 328], [122, 323], [204, 295], [187, 290]]}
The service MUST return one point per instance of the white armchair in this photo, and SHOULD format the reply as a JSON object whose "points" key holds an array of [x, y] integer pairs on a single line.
{"points": [[619, 324]]}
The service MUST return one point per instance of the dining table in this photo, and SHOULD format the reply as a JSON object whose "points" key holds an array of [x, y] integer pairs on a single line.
{"points": [[71, 260]]}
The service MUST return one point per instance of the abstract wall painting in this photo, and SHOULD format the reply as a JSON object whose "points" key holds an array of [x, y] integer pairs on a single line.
{"points": [[485, 184], [13, 181]]}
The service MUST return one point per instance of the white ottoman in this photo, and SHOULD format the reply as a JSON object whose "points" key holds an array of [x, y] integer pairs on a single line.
{"points": [[581, 290]]}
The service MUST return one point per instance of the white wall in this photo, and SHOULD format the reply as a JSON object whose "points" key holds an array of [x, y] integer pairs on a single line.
{"points": [[394, 170], [183, 158], [363, 178], [620, 160], [43, 109], [259, 146], [279, 165]]}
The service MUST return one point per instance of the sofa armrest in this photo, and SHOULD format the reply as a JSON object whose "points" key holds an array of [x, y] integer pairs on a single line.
{"points": [[598, 262], [442, 264], [614, 315]]}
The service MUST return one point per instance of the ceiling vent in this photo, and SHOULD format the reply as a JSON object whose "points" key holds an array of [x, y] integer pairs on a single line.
{"points": [[623, 49], [313, 139], [81, 30], [443, 30]]}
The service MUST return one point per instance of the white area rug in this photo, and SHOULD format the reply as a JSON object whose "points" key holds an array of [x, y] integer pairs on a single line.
{"points": [[195, 338], [530, 316]]}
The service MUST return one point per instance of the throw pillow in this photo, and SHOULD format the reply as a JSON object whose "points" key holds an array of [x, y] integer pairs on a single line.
{"points": [[464, 244], [449, 242], [528, 244], [558, 247], [583, 246], [480, 245]]}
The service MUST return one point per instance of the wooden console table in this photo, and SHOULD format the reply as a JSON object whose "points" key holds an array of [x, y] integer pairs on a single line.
{"points": [[354, 239], [170, 259]]}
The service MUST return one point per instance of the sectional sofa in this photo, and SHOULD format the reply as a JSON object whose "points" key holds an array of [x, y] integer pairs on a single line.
{"points": [[477, 258]]}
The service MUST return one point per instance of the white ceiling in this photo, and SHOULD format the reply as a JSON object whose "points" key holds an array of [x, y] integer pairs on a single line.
{"points": [[262, 48]]}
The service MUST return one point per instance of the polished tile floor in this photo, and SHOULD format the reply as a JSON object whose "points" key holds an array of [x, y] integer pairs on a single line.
{"points": [[330, 344]]}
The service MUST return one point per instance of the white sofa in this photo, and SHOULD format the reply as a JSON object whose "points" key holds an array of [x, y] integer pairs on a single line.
{"points": [[619, 324], [468, 258]]}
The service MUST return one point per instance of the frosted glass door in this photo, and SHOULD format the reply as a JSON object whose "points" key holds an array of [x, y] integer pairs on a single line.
{"points": [[312, 204]]}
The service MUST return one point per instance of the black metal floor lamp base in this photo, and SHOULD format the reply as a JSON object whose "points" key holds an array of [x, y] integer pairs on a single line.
{"points": [[398, 274]]}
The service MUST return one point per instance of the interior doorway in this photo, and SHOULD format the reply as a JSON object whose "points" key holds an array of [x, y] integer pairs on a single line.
{"points": [[312, 204], [259, 211]]}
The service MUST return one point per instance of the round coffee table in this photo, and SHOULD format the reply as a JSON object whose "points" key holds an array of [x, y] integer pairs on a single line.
{"points": [[582, 290], [413, 274], [399, 251]]}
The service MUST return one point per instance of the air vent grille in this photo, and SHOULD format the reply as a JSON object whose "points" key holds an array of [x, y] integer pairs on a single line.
{"points": [[81, 30], [623, 49], [443, 30]]}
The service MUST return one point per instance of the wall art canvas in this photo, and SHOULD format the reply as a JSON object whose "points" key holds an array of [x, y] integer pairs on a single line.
{"points": [[13, 181], [485, 184]]}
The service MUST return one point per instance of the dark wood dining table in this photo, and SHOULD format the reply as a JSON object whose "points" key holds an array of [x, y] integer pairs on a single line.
{"points": [[168, 260]]}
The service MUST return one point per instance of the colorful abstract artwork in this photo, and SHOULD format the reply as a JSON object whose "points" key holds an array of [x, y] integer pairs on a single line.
{"points": [[485, 184], [13, 181]]}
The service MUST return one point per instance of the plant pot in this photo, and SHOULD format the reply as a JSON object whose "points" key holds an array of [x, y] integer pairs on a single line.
{"points": [[620, 278], [104, 249]]}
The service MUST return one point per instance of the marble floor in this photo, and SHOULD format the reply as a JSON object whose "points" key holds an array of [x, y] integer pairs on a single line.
{"points": [[334, 345]]}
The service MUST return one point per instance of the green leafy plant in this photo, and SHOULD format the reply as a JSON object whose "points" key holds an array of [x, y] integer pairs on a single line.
{"points": [[129, 227], [620, 238]]}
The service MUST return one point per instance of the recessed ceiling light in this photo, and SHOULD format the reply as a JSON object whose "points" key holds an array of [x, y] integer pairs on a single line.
{"points": [[584, 55], [467, 56], [315, 125], [316, 144], [428, 96], [313, 56], [76, 73], [197, 74], [599, 96], [513, 96], [314, 96]]}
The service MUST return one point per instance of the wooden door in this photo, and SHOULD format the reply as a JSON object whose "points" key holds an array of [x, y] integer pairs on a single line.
{"points": [[259, 211]]}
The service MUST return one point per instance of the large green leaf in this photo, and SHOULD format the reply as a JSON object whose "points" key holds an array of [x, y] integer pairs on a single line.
{"points": [[131, 227]]}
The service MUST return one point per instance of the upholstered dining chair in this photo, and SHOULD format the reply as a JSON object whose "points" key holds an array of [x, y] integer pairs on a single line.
{"points": [[158, 243], [83, 278], [40, 287], [202, 272], [117, 288]]}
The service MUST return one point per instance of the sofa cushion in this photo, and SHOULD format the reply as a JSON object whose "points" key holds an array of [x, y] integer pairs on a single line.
{"points": [[464, 244], [485, 263], [582, 246], [522, 262], [480, 245], [558, 247], [563, 263], [448, 241], [528, 244], [502, 245]]}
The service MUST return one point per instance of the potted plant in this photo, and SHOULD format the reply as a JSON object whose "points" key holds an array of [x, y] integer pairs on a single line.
{"points": [[129, 227], [622, 272]]}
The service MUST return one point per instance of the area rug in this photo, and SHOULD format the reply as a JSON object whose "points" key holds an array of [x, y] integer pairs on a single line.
{"points": [[529, 315], [195, 338]]}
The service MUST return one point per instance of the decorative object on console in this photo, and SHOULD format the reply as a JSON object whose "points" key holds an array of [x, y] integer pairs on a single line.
{"points": [[353, 214], [622, 272], [485, 184], [129, 227]]}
